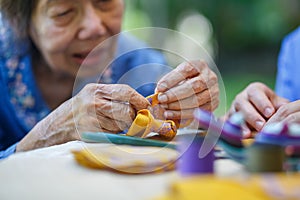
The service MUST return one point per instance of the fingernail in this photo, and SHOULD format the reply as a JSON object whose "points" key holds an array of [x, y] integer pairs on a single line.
{"points": [[162, 86], [268, 112], [168, 114], [162, 98], [246, 133], [259, 125]]}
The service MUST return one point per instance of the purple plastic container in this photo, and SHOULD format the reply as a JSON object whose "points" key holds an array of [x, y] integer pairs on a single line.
{"points": [[190, 162]]}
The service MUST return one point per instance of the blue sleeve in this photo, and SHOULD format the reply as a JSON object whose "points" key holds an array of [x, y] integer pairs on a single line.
{"points": [[145, 69], [287, 81], [138, 65], [9, 151], [284, 85]]}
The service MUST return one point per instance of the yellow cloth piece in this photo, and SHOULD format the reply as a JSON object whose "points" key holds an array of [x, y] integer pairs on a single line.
{"points": [[145, 123], [153, 99], [121, 161], [257, 187], [128, 159], [248, 142]]}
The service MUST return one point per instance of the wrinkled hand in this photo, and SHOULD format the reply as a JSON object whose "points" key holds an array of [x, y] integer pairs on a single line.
{"points": [[189, 86], [110, 108], [289, 113], [258, 103], [97, 107]]}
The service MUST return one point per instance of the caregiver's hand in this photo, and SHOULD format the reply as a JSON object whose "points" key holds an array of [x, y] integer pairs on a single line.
{"points": [[258, 103], [289, 113], [97, 107], [189, 86]]}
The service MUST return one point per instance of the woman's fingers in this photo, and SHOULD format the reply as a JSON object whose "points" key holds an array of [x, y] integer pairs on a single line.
{"points": [[258, 103], [189, 113], [115, 110], [194, 101], [190, 85], [287, 113], [246, 131], [181, 73], [251, 114], [112, 125], [122, 93], [182, 114], [112, 106], [293, 118], [279, 101], [187, 89], [260, 97]]}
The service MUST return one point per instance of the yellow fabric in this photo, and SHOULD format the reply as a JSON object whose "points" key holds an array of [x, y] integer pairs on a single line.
{"points": [[248, 142], [257, 187], [127, 159], [153, 99], [120, 161], [145, 123]]}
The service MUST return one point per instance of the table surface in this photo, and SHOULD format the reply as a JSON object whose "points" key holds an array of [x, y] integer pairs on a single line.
{"points": [[52, 173]]}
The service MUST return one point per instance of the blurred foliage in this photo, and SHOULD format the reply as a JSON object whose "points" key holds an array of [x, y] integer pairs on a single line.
{"points": [[237, 23], [248, 32]]}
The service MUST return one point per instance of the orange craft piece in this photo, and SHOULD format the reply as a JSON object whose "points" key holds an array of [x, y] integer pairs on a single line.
{"points": [[145, 123]]}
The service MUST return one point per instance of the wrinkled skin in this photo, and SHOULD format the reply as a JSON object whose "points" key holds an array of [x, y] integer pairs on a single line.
{"points": [[98, 107], [65, 32], [189, 86], [260, 106]]}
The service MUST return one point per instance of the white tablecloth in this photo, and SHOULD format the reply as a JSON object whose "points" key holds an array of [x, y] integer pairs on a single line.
{"points": [[52, 173]]}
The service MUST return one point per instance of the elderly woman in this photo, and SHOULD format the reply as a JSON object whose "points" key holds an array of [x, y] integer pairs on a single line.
{"points": [[43, 45]]}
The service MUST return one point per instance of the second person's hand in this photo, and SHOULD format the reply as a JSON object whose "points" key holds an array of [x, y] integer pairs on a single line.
{"points": [[288, 113], [258, 103]]}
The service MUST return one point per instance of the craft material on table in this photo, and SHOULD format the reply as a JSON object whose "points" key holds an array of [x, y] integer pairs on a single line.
{"points": [[191, 161], [254, 187], [101, 137], [275, 139], [144, 124], [265, 158], [128, 159]]}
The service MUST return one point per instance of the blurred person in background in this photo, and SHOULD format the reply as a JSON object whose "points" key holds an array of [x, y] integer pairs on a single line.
{"points": [[261, 105]]}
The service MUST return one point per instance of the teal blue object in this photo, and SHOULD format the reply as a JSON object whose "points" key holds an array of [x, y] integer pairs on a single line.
{"points": [[235, 153], [100, 137]]}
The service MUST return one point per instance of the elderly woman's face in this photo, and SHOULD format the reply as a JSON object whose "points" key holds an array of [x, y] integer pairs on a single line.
{"points": [[66, 31]]}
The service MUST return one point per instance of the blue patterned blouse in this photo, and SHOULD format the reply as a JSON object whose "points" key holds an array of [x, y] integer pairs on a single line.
{"points": [[21, 103]]}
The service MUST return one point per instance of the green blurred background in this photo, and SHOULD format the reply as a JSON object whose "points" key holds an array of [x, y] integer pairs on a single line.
{"points": [[244, 36]]}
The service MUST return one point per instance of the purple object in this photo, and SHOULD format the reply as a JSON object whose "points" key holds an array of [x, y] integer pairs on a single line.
{"points": [[280, 134], [190, 162], [283, 134], [206, 119], [230, 132]]}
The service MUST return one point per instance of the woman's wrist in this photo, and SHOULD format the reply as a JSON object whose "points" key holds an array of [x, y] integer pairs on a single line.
{"points": [[50, 131]]}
